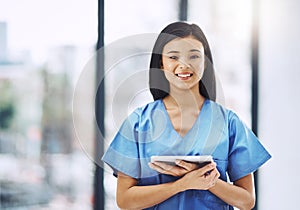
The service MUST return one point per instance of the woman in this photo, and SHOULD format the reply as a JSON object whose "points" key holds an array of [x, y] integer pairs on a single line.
{"points": [[184, 120]]}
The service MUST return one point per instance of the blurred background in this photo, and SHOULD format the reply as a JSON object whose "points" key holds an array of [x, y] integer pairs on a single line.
{"points": [[46, 45]]}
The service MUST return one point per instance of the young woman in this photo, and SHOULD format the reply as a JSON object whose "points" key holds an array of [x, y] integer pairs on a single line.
{"points": [[184, 120]]}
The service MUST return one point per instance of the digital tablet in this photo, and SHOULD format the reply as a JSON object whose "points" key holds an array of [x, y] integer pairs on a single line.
{"points": [[201, 159]]}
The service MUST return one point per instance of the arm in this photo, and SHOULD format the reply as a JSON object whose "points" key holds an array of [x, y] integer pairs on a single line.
{"points": [[241, 194], [131, 196]]}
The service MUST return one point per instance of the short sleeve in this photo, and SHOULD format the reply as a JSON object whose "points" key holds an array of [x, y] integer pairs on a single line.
{"points": [[122, 154], [246, 153]]}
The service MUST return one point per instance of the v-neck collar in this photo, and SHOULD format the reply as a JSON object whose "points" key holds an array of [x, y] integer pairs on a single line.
{"points": [[170, 124]]}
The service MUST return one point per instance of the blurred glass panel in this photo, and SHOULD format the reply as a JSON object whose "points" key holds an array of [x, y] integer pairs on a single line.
{"points": [[130, 30], [227, 25], [44, 46]]}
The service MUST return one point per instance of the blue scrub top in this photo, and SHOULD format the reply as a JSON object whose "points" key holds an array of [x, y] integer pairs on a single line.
{"points": [[217, 131]]}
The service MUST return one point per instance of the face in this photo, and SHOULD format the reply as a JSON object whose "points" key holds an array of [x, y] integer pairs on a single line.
{"points": [[183, 62]]}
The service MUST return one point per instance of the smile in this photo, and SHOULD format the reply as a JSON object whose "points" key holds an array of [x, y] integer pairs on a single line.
{"points": [[184, 75]]}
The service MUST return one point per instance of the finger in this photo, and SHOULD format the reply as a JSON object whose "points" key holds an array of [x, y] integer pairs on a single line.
{"points": [[218, 174], [170, 170], [214, 175], [203, 171], [163, 165], [216, 178], [212, 178], [186, 165], [158, 169]]}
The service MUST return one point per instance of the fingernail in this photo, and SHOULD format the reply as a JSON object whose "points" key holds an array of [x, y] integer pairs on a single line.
{"points": [[177, 161]]}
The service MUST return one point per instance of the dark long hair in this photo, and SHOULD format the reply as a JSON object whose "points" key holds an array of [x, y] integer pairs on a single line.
{"points": [[159, 85]]}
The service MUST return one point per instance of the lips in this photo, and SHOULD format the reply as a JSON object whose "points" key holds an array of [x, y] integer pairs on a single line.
{"points": [[184, 75]]}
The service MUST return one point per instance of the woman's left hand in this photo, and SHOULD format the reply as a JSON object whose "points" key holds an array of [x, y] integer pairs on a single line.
{"points": [[180, 169]]}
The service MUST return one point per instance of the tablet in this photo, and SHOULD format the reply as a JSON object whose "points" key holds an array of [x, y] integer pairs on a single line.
{"points": [[200, 159]]}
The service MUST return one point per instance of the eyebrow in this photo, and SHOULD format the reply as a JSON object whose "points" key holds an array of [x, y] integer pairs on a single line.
{"points": [[195, 50], [173, 51], [192, 50]]}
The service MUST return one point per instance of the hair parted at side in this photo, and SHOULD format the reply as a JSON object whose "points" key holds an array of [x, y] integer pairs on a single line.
{"points": [[159, 85]]}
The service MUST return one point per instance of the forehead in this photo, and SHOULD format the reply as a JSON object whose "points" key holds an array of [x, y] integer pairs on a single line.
{"points": [[182, 44]]}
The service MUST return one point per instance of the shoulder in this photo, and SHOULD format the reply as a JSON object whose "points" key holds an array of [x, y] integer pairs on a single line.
{"points": [[219, 109], [145, 112], [147, 108], [229, 116]]}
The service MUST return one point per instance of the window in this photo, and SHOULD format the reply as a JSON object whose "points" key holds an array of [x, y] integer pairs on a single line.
{"points": [[44, 46]]}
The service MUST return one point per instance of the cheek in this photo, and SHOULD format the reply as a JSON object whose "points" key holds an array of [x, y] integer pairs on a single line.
{"points": [[169, 67], [199, 67], [169, 75], [199, 70]]}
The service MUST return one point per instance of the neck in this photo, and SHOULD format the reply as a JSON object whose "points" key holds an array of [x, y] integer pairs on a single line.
{"points": [[185, 99]]}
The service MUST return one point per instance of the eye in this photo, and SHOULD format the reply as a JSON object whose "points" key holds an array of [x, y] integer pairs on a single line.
{"points": [[173, 57], [194, 57]]}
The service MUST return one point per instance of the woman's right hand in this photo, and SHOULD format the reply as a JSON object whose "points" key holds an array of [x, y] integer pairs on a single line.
{"points": [[200, 179]]}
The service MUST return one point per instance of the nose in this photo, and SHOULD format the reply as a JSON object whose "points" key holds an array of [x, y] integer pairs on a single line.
{"points": [[184, 65]]}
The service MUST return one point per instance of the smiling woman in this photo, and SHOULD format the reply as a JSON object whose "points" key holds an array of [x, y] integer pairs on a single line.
{"points": [[183, 58], [194, 38], [184, 120]]}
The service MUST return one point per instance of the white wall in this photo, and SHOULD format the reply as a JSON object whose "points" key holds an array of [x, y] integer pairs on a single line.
{"points": [[279, 103]]}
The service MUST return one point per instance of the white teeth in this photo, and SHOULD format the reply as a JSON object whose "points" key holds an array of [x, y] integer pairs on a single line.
{"points": [[184, 75]]}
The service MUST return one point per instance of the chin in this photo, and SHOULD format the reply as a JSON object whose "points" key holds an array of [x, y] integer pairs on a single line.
{"points": [[187, 86]]}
